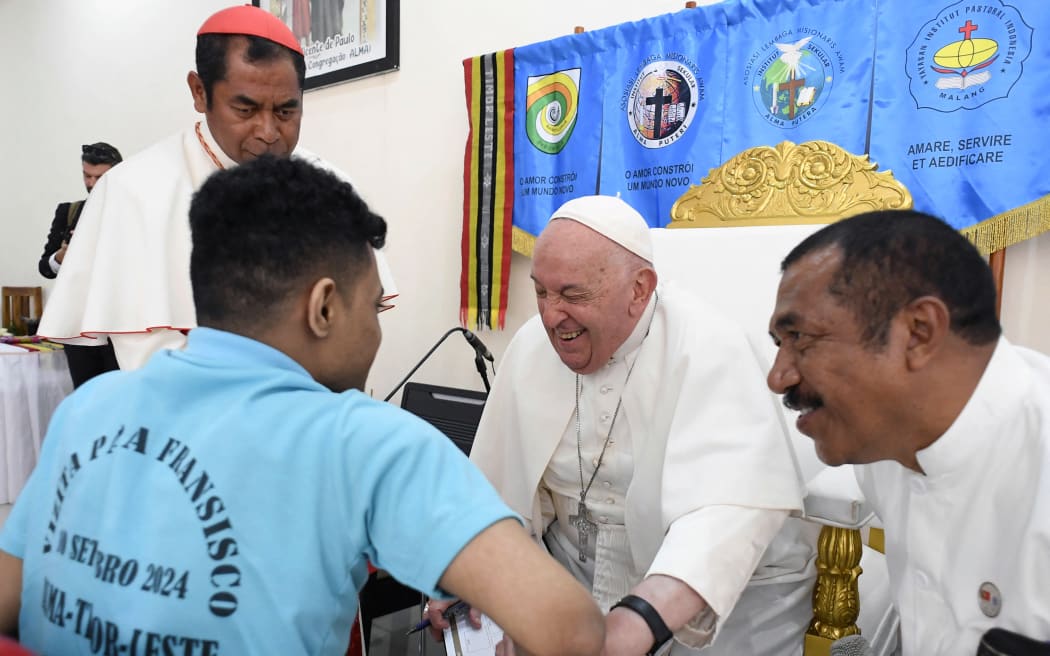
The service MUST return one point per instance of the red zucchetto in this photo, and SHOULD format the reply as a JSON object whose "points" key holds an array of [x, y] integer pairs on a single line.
{"points": [[253, 21]]}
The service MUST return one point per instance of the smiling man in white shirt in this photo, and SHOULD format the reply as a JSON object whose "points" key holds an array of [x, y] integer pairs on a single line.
{"points": [[890, 347]]}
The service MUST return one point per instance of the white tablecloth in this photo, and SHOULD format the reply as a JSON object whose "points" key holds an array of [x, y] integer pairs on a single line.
{"points": [[32, 384]]}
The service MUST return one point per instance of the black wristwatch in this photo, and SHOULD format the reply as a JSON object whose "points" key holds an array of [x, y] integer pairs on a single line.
{"points": [[661, 634]]}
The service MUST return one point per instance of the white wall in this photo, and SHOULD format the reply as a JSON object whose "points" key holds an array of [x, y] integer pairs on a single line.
{"points": [[1026, 293], [79, 71]]}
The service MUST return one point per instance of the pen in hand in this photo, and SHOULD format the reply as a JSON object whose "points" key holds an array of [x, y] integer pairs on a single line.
{"points": [[449, 613]]}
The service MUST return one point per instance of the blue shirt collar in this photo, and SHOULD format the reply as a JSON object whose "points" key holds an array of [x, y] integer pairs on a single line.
{"points": [[210, 344]]}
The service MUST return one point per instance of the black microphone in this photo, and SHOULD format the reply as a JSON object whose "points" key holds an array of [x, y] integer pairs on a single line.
{"points": [[478, 345], [851, 645], [1000, 642], [479, 352]]}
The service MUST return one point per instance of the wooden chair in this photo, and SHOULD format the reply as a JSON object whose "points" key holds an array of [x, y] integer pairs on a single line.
{"points": [[20, 303], [755, 208]]}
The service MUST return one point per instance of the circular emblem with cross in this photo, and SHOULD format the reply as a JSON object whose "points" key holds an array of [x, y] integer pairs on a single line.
{"points": [[662, 103]]}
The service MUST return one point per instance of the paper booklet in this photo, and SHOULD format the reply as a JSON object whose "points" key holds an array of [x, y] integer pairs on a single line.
{"points": [[461, 639]]}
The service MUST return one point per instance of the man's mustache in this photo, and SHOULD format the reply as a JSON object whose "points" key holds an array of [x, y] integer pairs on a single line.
{"points": [[795, 399]]}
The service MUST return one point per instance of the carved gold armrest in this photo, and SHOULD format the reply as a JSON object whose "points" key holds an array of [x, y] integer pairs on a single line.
{"points": [[834, 500]]}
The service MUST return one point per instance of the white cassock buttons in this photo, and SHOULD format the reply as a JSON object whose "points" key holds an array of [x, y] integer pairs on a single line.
{"points": [[605, 389], [989, 600]]}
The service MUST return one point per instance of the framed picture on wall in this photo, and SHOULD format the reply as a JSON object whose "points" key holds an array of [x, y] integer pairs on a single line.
{"points": [[342, 39]]}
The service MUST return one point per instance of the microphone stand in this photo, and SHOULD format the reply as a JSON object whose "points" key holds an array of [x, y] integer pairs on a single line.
{"points": [[478, 360]]}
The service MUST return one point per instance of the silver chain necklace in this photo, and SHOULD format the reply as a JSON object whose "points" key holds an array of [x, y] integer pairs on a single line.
{"points": [[585, 526]]}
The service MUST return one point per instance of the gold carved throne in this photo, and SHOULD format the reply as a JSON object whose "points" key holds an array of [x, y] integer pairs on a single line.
{"points": [[815, 182], [766, 190]]}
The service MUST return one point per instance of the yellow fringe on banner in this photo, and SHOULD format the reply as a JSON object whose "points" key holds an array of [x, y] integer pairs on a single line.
{"points": [[522, 242], [994, 234], [1002, 230]]}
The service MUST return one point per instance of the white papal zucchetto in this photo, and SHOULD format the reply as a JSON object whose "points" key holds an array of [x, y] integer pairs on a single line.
{"points": [[612, 218]]}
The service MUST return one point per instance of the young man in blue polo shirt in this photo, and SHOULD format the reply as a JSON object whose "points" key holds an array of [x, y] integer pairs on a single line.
{"points": [[225, 498]]}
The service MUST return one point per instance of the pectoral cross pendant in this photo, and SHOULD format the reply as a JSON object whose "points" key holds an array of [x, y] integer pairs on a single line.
{"points": [[585, 528]]}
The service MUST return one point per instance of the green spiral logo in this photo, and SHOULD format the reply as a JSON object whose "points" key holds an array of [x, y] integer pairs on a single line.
{"points": [[551, 107]]}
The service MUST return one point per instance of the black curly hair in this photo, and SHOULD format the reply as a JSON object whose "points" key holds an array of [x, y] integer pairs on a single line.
{"points": [[263, 228], [892, 257]]}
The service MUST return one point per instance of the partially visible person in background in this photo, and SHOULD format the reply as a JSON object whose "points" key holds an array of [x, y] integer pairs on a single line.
{"points": [[96, 159], [85, 362]]}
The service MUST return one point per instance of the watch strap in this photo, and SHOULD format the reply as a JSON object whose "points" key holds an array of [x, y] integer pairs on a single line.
{"points": [[661, 634]]}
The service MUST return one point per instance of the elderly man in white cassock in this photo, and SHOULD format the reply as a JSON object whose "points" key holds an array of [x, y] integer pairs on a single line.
{"points": [[644, 451]]}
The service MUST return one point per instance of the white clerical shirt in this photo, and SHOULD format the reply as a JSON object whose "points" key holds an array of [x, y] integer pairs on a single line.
{"points": [[968, 540]]}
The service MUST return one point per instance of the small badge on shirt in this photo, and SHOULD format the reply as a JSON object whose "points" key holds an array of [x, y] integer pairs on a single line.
{"points": [[989, 599]]}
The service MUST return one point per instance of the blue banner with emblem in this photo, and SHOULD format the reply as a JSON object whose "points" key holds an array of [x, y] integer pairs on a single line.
{"points": [[557, 127], [947, 94], [662, 125], [798, 70], [961, 107]]}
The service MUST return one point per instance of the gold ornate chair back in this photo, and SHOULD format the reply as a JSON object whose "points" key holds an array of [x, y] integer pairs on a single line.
{"points": [[790, 184], [808, 183]]}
